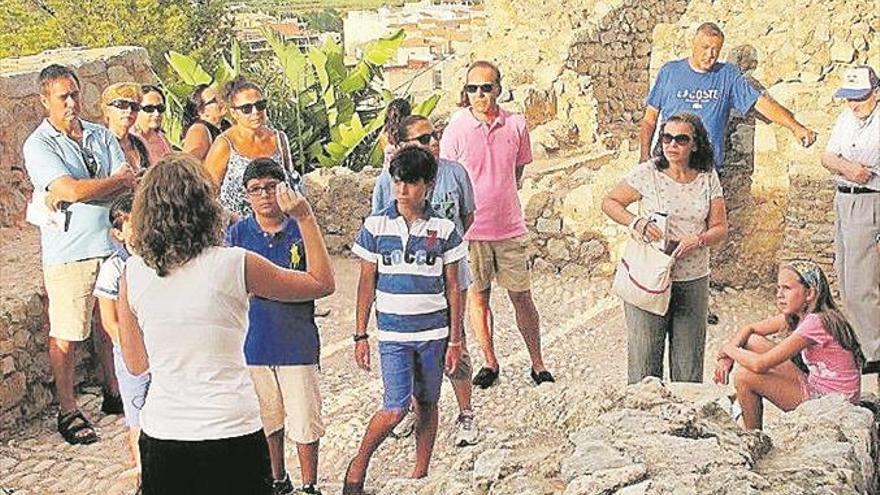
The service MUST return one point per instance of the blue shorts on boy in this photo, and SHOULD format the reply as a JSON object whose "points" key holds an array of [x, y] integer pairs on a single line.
{"points": [[132, 388], [282, 335], [411, 308]]}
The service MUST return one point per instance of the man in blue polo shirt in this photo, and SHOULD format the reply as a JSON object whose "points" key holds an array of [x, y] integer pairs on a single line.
{"points": [[409, 265], [701, 85], [282, 344], [78, 167]]}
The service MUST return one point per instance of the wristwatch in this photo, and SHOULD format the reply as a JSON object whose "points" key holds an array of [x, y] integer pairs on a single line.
{"points": [[360, 336]]}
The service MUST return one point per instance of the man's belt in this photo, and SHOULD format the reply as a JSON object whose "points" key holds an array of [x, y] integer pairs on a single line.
{"points": [[856, 190]]}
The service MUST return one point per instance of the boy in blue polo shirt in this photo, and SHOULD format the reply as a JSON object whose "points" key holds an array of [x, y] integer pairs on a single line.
{"points": [[282, 343], [409, 265]]}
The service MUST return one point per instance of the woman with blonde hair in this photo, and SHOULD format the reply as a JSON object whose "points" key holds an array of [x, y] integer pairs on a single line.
{"points": [[120, 105], [183, 312]]}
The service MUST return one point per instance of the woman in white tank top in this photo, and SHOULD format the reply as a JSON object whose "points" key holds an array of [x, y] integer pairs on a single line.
{"points": [[183, 314]]}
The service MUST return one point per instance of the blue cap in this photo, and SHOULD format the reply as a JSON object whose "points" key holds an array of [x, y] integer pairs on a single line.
{"points": [[857, 83]]}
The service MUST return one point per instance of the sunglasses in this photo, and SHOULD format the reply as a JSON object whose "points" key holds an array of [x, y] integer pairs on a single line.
{"points": [[486, 87], [680, 139], [125, 105], [153, 108], [247, 108], [257, 191], [90, 161], [425, 139]]}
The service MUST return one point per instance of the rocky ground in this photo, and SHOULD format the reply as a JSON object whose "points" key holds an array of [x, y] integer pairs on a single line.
{"points": [[584, 344]]}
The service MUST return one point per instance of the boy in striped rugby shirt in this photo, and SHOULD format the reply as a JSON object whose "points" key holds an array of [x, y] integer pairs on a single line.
{"points": [[410, 266]]}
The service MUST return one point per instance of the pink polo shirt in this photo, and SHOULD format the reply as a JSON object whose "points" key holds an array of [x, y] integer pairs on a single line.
{"points": [[490, 153]]}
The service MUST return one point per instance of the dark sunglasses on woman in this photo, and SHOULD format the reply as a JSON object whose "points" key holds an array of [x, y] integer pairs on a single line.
{"points": [[153, 108], [247, 108], [425, 139], [125, 105], [680, 139]]}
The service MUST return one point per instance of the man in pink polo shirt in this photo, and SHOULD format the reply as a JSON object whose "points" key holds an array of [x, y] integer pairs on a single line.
{"points": [[494, 147]]}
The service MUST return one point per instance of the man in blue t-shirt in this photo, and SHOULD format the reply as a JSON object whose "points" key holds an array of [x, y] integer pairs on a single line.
{"points": [[282, 344], [701, 85]]}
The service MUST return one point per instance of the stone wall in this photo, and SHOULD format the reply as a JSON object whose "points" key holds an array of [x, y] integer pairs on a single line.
{"points": [[581, 69], [25, 376], [560, 242], [21, 111]]}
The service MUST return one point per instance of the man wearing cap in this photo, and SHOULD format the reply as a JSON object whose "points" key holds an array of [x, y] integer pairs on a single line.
{"points": [[853, 154]]}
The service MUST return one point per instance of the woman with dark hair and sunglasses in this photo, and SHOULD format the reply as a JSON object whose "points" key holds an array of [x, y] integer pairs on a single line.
{"points": [[121, 104], [249, 138], [183, 315], [678, 185], [148, 125], [202, 120]]}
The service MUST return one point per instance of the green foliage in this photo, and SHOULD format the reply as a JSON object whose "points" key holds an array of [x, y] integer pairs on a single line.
{"points": [[190, 74], [332, 113], [200, 28], [322, 21]]}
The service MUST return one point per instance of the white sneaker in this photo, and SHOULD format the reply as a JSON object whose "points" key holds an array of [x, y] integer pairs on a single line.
{"points": [[405, 427], [466, 432]]}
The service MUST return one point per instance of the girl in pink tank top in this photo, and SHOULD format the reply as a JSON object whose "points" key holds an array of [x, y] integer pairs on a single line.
{"points": [[820, 334]]}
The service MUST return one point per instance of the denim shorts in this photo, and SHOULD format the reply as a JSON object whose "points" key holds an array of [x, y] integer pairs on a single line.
{"points": [[411, 369], [132, 389]]}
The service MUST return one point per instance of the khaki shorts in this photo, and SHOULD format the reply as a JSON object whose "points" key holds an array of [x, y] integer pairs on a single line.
{"points": [[289, 393], [71, 302], [507, 261]]}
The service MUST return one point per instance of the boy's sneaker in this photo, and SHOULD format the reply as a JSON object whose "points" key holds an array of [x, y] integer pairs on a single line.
{"points": [[466, 430], [406, 426], [282, 486], [308, 490]]}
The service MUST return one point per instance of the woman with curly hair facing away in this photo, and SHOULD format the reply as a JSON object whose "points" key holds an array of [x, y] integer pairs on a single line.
{"points": [[821, 334], [183, 309], [679, 183]]}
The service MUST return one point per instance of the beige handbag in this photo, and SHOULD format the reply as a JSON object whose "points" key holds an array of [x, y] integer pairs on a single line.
{"points": [[643, 277]]}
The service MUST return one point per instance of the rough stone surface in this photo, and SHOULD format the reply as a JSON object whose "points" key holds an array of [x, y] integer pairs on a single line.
{"points": [[22, 112]]}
